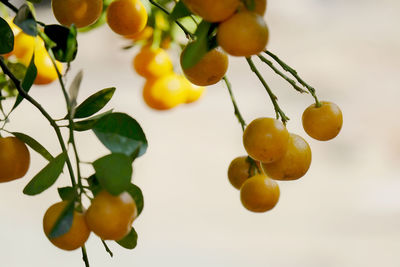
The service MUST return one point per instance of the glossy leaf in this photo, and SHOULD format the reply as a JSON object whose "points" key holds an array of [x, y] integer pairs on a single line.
{"points": [[46, 177], [35, 145], [94, 184], [7, 37], [130, 240], [66, 193], [114, 172], [27, 82], [89, 123], [64, 221], [25, 20], [179, 11], [197, 49], [74, 88], [137, 195], [94, 103], [66, 45], [121, 133]]}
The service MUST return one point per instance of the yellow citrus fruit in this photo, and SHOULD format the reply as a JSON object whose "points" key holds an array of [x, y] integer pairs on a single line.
{"points": [[165, 92], [211, 10], [209, 70], [111, 217], [244, 34], [238, 171], [144, 34], [46, 72], [77, 234], [14, 159], [323, 123], [259, 193], [126, 17], [15, 29], [81, 13], [294, 164], [24, 45], [266, 139], [193, 92], [152, 63]]}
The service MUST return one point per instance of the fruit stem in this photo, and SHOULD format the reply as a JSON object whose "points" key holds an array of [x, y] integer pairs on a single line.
{"points": [[107, 248], [294, 73], [289, 80], [189, 35], [22, 92], [278, 110], [85, 256], [235, 106]]}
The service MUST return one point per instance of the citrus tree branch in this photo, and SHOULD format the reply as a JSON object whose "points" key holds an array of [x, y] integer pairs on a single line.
{"points": [[295, 75], [278, 110], [235, 106]]}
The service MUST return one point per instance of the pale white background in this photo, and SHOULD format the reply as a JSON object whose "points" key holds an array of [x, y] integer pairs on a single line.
{"points": [[345, 212]]}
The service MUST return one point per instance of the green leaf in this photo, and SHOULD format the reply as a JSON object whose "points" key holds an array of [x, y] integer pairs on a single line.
{"points": [[35, 145], [7, 37], [94, 103], [121, 133], [25, 20], [114, 172], [67, 193], [197, 49], [46, 177], [94, 184], [74, 88], [27, 82], [88, 124], [137, 195], [66, 45], [130, 240], [179, 11], [64, 221]]}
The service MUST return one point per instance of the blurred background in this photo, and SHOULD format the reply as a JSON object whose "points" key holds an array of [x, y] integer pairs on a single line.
{"points": [[346, 210]]}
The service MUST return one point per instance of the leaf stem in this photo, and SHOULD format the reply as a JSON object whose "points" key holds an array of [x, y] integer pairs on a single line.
{"points": [[294, 73], [25, 95], [235, 106], [189, 35], [278, 110], [289, 80]]}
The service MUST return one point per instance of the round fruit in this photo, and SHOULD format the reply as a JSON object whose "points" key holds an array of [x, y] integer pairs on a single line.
{"points": [[152, 63], [165, 92], [266, 139], [209, 70], [259, 193], [110, 217], [14, 159], [238, 171], [145, 34], [126, 17], [294, 164], [193, 92], [323, 123], [81, 13], [211, 10], [77, 234], [46, 72], [24, 45], [244, 34]]}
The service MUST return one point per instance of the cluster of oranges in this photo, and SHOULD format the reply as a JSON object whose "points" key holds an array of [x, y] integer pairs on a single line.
{"points": [[276, 154]]}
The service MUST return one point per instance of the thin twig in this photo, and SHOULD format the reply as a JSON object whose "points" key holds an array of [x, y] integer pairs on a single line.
{"points": [[235, 106], [278, 110], [294, 73], [107, 248], [85, 256]]}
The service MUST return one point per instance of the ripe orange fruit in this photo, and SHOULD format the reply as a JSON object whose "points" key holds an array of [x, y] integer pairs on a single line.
{"points": [[244, 34], [165, 92], [238, 171], [14, 159], [323, 123], [81, 13], [144, 34], [209, 70], [152, 63], [77, 234], [110, 217], [266, 139], [259, 193], [126, 17], [294, 164], [211, 10]]}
